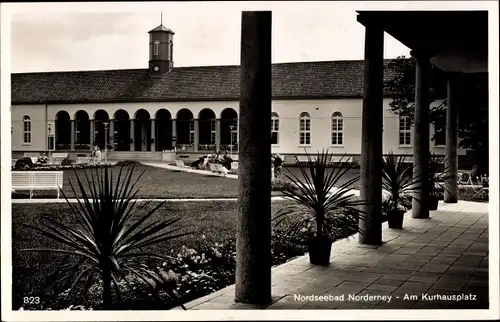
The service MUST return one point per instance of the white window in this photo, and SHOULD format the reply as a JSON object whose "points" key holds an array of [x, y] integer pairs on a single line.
{"points": [[440, 132], [156, 48], [213, 132], [77, 132], [275, 128], [305, 128], [234, 131], [404, 131], [337, 129], [26, 129], [191, 131]]}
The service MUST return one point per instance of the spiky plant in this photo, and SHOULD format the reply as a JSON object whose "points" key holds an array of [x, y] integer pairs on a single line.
{"points": [[397, 180], [110, 238], [323, 205], [437, 179]]}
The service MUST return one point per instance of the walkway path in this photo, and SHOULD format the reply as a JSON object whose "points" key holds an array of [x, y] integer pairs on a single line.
{"points": [[446, 255], [74, 200], [187, 169]]}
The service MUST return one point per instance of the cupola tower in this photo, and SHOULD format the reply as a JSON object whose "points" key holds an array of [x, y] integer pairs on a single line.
{"points": [[161, 50]]}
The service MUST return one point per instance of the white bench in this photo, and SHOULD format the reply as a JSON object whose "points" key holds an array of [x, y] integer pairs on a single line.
{"points": [[59, 155], [339, 158], [217, 168], [180, 163], [37, 180], [82, 161], [304, 158], [234, 166]]}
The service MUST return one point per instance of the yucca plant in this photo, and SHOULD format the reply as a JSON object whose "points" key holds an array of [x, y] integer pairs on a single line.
{"points": [[323, 206], [438, 179], [110, 238], [398, 182]]}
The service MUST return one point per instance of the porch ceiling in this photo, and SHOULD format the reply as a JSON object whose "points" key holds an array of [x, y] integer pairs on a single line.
{"points": [[456, 40]]}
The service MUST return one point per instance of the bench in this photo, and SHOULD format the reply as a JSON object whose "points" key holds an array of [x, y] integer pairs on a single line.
{"points": [[305, 159], [59, 155], [339, 158], [32, 155], [217, 168], [37, 180], [234, 166], [81, 161], [13, 163], [180, 163]]}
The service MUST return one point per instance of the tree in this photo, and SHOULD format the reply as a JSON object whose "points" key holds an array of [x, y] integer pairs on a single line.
{"points": [[473, 113]]}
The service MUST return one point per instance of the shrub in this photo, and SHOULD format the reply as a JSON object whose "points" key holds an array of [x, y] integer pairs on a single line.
{"points": [[127, 163], [66, 162]]}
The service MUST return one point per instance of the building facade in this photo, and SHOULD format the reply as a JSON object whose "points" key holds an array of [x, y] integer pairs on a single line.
{"points": [[194, 110]]}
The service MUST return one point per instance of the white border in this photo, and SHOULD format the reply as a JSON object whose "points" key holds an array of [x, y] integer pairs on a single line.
{"points": [[233, 8]]}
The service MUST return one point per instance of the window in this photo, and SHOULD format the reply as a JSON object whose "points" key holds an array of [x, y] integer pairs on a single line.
{"points": [[404, 131], [234, 131], [171, 50], [440, 132], [275, 128], [191, 131], [212, 131], [26, 129], [337, 129], [156, 48], [305, 128]]}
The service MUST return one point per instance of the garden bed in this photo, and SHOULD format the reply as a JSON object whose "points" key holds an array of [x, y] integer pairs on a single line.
{"points": [[206, 258]]}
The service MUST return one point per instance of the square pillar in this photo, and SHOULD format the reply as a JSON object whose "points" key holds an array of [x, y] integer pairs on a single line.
{"points": [[92, 133], [153, 135], [72, 139], [196, 134], [371, 135], [253, 240], [451, 160], [421, 154], [111, 134], [217, 135], [174, 134], [132, 135]]}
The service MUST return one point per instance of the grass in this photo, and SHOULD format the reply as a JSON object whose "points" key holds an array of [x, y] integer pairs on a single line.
{"points": [[158, 183], [215, 219]]}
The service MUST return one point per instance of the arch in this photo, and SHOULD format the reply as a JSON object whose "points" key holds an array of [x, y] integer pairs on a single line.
{"points": [[101, 129], [142, 130], [185, 127], [63, 130], [275, 128], [82, 130], [229, 128], [337, 129], [26, 129], [305, 129], [121, 129], [207, 130], [163, 130]]}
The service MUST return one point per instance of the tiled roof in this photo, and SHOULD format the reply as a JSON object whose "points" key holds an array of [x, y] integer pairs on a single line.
{"points": [[304, 80]]}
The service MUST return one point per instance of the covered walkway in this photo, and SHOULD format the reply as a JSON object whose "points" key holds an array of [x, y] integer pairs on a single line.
{"points": [[444, 255]]}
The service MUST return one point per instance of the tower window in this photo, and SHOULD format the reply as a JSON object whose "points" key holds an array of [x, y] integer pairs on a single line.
{"points": [[156, 48]]}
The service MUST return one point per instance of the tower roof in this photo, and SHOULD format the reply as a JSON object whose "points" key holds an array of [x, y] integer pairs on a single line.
{"points": [[161, 28]]}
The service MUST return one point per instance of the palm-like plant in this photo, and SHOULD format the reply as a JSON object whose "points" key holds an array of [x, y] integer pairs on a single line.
{"points": [[110, 239], [323, 205], [397, 180]]}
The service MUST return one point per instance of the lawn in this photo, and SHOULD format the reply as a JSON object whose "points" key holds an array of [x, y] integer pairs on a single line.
{"points": [[216, 220], [158, 183]]}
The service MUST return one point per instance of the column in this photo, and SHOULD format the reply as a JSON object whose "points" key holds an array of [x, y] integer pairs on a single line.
{"points": [[111, 133], [72, 139], [196, 134], [371, 136], [420, 204], [153, 135], [92, 134], [132, 135], [174, 134], [451, 160], [253, 240], [217, 135]]}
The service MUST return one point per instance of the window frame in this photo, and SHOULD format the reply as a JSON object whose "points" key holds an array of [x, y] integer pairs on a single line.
{"points": [[405, 130], [27, 130], [156, 48], [337, 120], [304, 129], [275, 128]]}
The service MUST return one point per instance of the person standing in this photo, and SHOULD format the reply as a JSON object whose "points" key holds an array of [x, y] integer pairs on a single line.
{"points": [[278, 166]]}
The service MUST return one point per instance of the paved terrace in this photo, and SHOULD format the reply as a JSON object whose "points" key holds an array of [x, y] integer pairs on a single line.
{"points": [[444, 255]]}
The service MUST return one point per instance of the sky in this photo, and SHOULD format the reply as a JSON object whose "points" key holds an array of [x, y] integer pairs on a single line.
{"points": [[58, 37]]}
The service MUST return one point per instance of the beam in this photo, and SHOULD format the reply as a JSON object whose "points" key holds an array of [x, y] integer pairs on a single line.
{"points": [[253, 244], [371, 136]]}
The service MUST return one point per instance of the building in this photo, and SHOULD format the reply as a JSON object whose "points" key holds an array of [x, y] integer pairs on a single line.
{"points": [[141, 112]]}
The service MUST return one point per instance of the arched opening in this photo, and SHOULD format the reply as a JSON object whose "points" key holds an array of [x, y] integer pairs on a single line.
{"points": [[82, 131], [163, 128], [121, 131], [142, 130], [101, 129], [185, 127], [63, 131], [229, 130], [206, 133]]}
